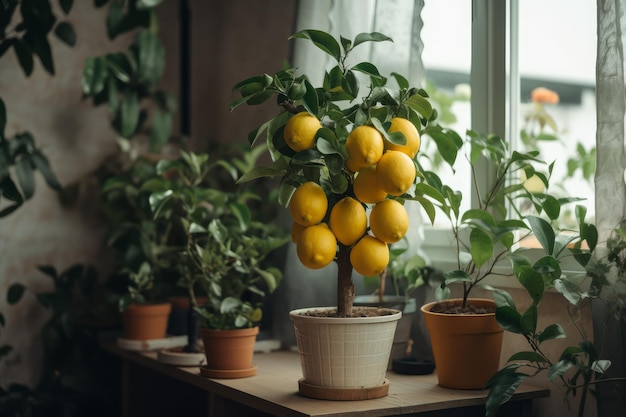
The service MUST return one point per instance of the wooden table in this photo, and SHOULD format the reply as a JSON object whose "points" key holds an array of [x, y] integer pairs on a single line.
{"points": [[274, 392]]}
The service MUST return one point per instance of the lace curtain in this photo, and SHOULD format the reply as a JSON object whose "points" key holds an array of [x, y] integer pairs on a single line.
{"points": [[610, 177], [611, 162]]}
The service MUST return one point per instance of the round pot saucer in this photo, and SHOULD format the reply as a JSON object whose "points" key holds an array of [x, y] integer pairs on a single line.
{"points": [[227, 373], [343, 394], [413, 366], [177, 357]]}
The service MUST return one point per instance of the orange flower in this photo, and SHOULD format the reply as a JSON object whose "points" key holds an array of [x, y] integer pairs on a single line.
{"points": [[544, 95]]}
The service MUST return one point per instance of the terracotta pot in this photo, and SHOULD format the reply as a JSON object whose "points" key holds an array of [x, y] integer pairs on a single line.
{"points": [[146, 321], [466, 348], [229, 353], [349, 352]]}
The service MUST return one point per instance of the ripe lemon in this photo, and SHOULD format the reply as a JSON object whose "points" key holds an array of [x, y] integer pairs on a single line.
{"points": [[316, 247], [365, 146], [399, 124], [296, 230], [308, 204], [300, 131], [389, 221], [348, 220], [369, 256], [367, 188], [396, 172]]}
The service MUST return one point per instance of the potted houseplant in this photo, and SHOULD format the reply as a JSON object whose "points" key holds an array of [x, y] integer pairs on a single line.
{"points": [[345, 174], [218, 250], [485, 239], [581, 367]]}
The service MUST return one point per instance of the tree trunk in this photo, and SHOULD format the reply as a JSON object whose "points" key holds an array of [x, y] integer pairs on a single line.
{"points": [[345, 286]]}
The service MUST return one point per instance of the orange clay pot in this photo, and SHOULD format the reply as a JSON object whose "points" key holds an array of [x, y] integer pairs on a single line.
{"points": [[229, 353], [146, 321], [466, 348]]}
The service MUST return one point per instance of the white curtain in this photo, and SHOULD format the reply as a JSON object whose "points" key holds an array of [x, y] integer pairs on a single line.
{"points": [[611, 162], [610, 179]]}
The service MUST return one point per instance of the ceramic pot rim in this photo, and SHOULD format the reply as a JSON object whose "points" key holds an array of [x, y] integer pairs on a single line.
{"points": [[297, 315], [483, 301]]}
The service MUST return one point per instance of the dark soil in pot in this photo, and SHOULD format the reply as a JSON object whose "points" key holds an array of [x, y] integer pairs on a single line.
{"points": [[456, 308]]}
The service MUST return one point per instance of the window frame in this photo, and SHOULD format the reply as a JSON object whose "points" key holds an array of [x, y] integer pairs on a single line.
{"points": [[495, 85]]}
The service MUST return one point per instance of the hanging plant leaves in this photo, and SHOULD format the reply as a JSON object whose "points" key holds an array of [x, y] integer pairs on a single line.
{"points": [[65, 32]]}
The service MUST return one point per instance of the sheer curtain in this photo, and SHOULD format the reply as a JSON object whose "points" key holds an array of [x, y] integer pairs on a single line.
{"points": [[610, 176], [398, 19]]}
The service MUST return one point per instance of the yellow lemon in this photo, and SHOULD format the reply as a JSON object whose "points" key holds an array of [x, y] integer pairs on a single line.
{"points": [[396, 172], [367, 188], [308, 204], [365, 146], [300, 131], [296, 230], [348, 220], [412, 146], [369, 256], [389, 221], [316, 246]]}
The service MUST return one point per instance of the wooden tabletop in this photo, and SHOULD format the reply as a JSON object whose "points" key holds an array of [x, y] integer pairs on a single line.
{"points": [[274, 389]]}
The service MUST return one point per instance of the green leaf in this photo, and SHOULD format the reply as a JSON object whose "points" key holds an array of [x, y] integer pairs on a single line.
{"points": [[43, 166], [553, 331], [158, 201], [15, 293], [151, 57], [421, 105], [41, 47], [310, 100], [94, 76], [528, 321], [501, 387], [66, 5], [509, 319], [501, 297], [24, 171], [129, 112], [446, 144], [544, 233], [161, 129], [527, 356], [402, 82], [481, 247], [477, 214], [367, 68], [115, 18], [322, 40], [65, 32], [532, 281], [559, 369], [456, 276], [370, 37], [24, 56], [551, 207]]}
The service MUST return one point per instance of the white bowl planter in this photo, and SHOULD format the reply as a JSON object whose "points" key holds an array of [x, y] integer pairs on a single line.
{"points": [[345, 353]]}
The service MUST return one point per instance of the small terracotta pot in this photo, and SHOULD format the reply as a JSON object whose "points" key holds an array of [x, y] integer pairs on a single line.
{"points": [[146, 321], [229, 350], [466, 348]]}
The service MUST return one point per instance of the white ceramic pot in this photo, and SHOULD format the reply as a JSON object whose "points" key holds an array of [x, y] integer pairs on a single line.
{"points": [[344, 352]]}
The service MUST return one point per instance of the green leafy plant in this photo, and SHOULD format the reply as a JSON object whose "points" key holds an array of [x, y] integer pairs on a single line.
{"points": [[129, 82], [579, 367], [222, 248], [25, 27], [493, 234], [340, 107]]}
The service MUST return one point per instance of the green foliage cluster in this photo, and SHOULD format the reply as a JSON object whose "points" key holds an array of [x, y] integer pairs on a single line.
{"points": [[24, 28], [181, 223], [129, 82]]}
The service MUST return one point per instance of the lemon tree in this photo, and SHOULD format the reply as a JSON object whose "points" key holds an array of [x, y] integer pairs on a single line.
{"points": [[344, 149]]}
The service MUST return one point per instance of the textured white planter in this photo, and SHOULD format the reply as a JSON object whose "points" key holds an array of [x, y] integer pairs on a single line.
{"points": [[344, 352]]}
